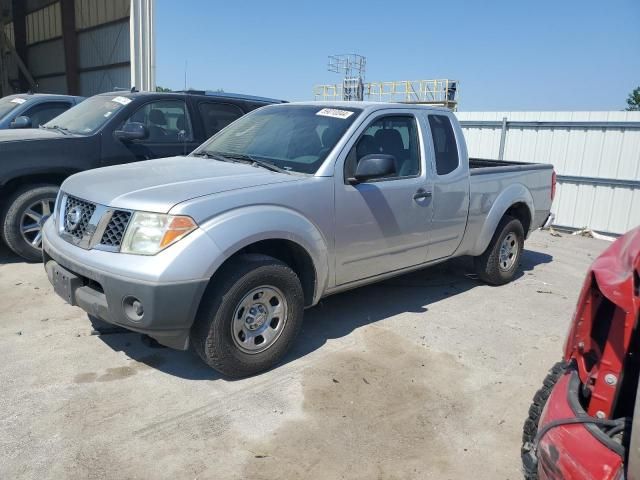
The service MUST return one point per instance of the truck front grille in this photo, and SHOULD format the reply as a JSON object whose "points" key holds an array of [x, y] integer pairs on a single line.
{"points": [[114, 232], [77, 214]]}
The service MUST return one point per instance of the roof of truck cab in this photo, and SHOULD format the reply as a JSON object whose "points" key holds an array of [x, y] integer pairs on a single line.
{"points": [[369, 106]]}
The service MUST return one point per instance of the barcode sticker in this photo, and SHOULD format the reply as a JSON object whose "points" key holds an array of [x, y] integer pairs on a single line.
{"points": [[334, 113], [121, 100]]}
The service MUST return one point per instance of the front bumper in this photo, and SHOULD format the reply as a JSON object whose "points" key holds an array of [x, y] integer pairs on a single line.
{"points": [[168, 308], [580, 451]]}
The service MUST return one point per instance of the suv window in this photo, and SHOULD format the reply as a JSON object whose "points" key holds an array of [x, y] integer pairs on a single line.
{"points": [[444, 143], [167, 121], [393, 135], [41, 114], [216, 116]]}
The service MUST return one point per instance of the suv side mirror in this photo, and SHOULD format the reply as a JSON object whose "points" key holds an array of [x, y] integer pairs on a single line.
{"points": [[132, 131], [374, 166], [21, 122]]}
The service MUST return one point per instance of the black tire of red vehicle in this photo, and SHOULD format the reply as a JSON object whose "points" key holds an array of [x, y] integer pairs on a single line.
{"points": [[488, 264], [211, 334], [530, 428], [12, 219]]}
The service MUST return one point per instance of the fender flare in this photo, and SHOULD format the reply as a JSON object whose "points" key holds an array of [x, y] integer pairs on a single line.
{"points": [[238, 228], [514, 193]]}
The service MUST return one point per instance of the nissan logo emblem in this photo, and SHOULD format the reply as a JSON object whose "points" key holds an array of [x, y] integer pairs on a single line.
{"points": [[73, 218]]}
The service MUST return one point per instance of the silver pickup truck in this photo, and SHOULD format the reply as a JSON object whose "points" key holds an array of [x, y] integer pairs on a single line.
{"points": [[225, 248]]}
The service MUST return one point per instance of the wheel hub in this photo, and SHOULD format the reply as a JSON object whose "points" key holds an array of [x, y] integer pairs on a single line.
{"points": [[508, 251], [257, 316], [259, 319], [33, 219]]}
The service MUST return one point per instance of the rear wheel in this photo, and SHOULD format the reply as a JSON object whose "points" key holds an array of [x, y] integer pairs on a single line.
{"points": [[28, 210], [249, 316], [499, 262]]}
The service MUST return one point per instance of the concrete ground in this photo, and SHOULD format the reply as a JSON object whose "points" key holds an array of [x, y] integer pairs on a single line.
{"points": [[428, 375]]}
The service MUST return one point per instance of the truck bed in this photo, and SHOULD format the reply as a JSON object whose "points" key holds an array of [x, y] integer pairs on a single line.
{"points": [[482, 166]]}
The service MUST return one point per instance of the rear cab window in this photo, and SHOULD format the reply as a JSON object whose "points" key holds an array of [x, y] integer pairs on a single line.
{"points": [[444, 144]]}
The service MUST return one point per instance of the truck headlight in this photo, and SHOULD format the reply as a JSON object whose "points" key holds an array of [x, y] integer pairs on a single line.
{"points": [[149, 233]]}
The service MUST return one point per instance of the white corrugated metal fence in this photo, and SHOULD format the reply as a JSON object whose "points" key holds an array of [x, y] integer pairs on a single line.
{"points": [[595, 154]]}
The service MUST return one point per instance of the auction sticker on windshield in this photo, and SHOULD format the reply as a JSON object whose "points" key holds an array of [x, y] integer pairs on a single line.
{"points": [[334, 113], [19, 101], [121, 100]]}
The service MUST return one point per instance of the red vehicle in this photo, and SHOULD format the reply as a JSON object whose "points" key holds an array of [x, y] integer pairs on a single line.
{"points": [[581, 424]]}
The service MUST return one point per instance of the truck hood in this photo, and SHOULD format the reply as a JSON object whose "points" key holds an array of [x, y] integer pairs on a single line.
{"points": [[158, 185], [30, 134]]}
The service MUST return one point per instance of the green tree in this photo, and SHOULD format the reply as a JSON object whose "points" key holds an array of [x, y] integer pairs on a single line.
{"points": [[634, 100], [163, 89]]}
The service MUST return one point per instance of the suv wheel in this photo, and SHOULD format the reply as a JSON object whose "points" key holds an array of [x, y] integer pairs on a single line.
{"points": [[249, 317], [24, 218]]}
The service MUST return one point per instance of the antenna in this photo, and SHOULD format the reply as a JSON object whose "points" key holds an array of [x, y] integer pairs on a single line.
{"points": [[353, 66], [185, 75]]}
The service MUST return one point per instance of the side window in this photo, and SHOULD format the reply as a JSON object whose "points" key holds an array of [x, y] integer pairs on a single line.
{"points": [[167, 121], [216, 116], [392, 135], [444, 142], [41, 114]]}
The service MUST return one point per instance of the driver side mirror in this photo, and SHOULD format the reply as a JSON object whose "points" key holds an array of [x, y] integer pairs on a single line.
{"points": [[374, 166], [132, 131], [21, 122]]}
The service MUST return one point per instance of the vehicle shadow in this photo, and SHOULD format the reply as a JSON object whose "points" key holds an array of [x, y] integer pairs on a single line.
{"points": [[336, 316], [7, 256]]}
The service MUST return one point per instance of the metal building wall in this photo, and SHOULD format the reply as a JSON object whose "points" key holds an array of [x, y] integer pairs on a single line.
{"points": [[596, 156], [101, 36], [103, 45]]}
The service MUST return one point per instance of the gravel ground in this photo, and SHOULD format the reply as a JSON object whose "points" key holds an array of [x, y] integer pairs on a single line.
{"points": [[428, 375]]}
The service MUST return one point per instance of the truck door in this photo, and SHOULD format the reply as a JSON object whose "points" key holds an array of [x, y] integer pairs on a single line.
{"points": [[451, 187], [382, 225]]}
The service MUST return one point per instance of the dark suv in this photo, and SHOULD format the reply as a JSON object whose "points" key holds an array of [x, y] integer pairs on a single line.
{"points": [[106, 129]]}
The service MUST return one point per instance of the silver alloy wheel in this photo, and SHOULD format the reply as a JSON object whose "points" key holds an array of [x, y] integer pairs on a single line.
{"points": [[259, 319], [508, 251], [33, 219]]}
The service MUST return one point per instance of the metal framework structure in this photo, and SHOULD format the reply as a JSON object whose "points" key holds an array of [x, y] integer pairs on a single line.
{"points": [[440, 92], [353, 66]]}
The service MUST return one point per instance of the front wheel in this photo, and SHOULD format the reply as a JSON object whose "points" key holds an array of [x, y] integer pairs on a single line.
{"points": [[24, 218], [499, 262], [249, 316]]}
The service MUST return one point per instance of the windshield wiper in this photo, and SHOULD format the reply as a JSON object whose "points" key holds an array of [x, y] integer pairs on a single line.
{"points": [[58, 128], [213, 156], [253, 161]]}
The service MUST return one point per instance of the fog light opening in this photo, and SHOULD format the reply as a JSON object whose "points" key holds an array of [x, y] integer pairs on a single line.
{"points": [[133, 308]]}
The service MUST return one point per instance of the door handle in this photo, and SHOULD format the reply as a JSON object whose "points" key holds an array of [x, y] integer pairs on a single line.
{"points": [[422, 193]]}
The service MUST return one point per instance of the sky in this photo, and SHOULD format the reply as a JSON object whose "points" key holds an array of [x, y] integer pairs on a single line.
{"points": [[507, 55]]}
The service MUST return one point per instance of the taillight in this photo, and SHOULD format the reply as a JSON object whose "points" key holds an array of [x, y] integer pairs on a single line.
{"points": [[553, 185]]}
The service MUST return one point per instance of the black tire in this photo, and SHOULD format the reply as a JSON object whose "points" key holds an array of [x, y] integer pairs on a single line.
{"points": [[17, 205], [530, 429], [488, 264], [212, 335]]}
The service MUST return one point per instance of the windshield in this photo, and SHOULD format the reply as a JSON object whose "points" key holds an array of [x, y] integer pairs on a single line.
{"points": [[9, 103], [293, 137], [88, 116]]}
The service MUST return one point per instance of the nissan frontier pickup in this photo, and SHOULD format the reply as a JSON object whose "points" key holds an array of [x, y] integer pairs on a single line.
{"points": [[224, 248]]}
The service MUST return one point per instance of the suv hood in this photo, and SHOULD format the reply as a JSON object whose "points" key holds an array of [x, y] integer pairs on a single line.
{"points": [[158, 185], [25, 134]]}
